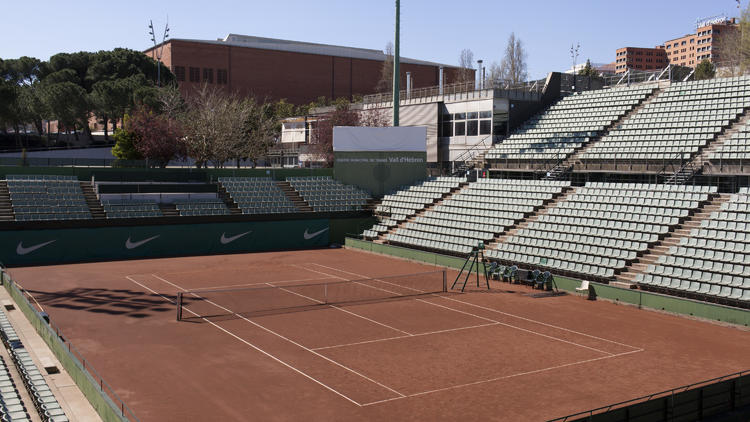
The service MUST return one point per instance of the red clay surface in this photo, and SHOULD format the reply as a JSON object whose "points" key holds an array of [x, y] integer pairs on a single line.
{"points": [[498, 355]]}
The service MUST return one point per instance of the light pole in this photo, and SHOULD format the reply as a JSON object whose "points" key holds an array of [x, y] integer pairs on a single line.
{"points": [[158, 51], [481, 79], [574, 57], [396, 63]]}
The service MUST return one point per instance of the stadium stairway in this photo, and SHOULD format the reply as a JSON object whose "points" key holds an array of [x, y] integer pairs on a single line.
{"points": [[6, 209], [95, 206], [168, 210], [381, 238], [702, 160], [294, 196], [626, 277], [573, 160], [222, 193], [530, 218]]}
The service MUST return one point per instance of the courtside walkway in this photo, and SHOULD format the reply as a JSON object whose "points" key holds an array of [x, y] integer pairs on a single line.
{"points": [[74, 404]]}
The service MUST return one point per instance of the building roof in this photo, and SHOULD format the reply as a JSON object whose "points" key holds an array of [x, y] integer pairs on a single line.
{"points": [[306, 47]]}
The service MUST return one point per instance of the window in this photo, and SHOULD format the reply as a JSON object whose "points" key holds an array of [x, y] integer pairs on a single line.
{"points": [[472, 115], [195, 74], [446, 128], [485, 114], [459, 116], [179, 73], [683, 43], [221, 76], [472, 127], [485, 127], [208, 75], [459, 129]]}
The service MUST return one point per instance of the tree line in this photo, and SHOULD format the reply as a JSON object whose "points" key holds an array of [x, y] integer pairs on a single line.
{"points": [[72, 87]]}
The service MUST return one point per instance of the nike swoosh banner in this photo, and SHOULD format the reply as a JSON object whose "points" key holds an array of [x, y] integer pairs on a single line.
{"points": [[113, 243]]}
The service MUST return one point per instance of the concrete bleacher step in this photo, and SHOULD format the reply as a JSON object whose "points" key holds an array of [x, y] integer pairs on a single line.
{"points": [[6, 208], [448, 195], [294, 196], [95, 206], [530, 218], [222, 193], [703, 160], [168, 210], [626, 277]]}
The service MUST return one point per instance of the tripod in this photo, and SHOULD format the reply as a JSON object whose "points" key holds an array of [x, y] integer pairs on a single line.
{"points": [[473, 260]]}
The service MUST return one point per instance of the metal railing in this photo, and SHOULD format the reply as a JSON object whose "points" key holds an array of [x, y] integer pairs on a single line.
{"points": [[472, 152], [670, 404], [530, 87], [61, 343]]}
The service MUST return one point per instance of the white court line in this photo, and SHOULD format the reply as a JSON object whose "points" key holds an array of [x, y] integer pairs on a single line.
{"points": [[481, 317], [253, 346], [503, 313], [256, 284], [400, 337], [288, 340], [468, 384], [340, 309]]}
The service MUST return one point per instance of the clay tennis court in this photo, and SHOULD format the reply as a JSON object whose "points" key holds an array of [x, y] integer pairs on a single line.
{"points": [[497, 355]]}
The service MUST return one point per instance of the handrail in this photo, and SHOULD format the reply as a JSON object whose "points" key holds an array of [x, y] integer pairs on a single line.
{"points": [[469, 152], [649, 397]]}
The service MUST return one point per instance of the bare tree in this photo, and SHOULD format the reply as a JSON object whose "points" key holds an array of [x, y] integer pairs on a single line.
{"points": [[466, 65], [386, 73], [513, 66], [732, 51]]}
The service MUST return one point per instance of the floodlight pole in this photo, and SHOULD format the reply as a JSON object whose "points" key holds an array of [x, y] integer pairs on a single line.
{"points": [[158, 51], [396, 60]]}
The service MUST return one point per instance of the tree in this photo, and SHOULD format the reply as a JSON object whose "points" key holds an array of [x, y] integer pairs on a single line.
{"points": [[125, 141], [513, 66], [156, 137], [385, 83], [731, 53], [66, 102], [466, 65], [588, 70], [261, 129], [704, 70]]}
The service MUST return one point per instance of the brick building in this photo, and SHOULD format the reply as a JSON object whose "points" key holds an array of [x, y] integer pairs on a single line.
{"points": [[299, 72], [688, 50], [640, 58]]}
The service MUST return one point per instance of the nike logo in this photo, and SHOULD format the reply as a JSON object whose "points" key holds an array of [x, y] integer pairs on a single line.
{"points": [[309, 236], [224, 240], [23, 251], [133, 245]]}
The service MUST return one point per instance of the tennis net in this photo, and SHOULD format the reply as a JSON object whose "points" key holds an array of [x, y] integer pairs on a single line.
{"points": [[269, 298]]}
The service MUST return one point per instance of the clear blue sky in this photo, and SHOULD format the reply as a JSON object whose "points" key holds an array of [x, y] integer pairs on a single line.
{"points": [[435, 30]]}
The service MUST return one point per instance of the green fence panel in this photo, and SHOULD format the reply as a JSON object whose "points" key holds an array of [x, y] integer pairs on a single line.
{"points": [[92, 389], [52, 246]]}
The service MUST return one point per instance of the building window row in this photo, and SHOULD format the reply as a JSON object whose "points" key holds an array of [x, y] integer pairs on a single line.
{"points": [[194, 75]]}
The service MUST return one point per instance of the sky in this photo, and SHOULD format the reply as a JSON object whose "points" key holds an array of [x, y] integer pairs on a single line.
{"points": [[433, 30]]}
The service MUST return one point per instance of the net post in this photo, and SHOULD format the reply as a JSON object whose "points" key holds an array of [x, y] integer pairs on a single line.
{"points": [[179, 306], [445, 281]]}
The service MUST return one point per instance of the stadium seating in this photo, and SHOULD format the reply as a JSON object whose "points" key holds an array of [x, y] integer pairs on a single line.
{"points": [[47, 197], [44, 400], [713, 262], [131, 208], [257, 195], [674, 127], [477, 213], [323, 193], [734, 150], [208, 206], [566, 126], [602, 227], [400, 205]]}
